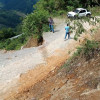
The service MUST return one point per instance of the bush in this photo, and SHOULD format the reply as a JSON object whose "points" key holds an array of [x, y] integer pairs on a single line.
{"points": [[61, 12], [46, 28], [95, 11], [33, 23], [2, 45], [11, 46], [70, 8], [90, 47], [88, 50], [14, 44], [6, 33]]}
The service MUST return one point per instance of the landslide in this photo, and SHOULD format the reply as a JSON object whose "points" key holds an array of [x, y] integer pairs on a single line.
{"points": [[77, 79]]}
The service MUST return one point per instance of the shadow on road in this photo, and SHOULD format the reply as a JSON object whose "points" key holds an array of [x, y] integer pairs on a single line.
{"points": [[57, 30]]}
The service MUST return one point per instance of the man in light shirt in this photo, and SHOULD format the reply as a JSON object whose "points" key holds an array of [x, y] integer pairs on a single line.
{"points": [[67, 28]]}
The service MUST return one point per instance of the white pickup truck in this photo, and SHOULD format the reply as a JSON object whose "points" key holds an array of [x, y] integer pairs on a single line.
{"points": [[79, 12]]}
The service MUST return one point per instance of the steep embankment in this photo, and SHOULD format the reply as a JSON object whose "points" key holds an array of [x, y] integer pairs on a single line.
{"points": [[48, 57], [78, 81]]}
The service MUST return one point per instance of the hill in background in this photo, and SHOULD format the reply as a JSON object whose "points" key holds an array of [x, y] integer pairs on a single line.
{"points": [[13, 11], [25, 6]]}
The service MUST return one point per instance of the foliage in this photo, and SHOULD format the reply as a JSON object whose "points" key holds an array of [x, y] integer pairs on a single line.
{"points": [[79, 30], [9, 19], [14, 44], [78, 26], [95, 11], [34, 22], [54, 6], [87, 51], [6, 33], [46, 27], [90, 46]]}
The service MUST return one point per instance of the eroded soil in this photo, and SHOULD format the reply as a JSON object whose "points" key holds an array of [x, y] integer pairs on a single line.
{"points": [[79, 81], [50, 81]]}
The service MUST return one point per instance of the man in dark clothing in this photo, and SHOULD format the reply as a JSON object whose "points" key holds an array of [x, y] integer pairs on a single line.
{"points": [[51, 22]]}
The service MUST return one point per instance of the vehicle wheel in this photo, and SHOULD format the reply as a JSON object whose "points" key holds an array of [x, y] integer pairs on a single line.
{"points": [[88, 15], [68, 17], [75, 17]]}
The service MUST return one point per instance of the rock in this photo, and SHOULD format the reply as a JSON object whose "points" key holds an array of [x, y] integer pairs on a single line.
{"points": [[79, 64], [98, 86]]}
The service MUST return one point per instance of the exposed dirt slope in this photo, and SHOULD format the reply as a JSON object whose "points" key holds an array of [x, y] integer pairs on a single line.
{"points": [[79, 81]]}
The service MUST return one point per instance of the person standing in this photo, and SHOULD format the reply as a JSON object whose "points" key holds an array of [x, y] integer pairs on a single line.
{"points": [[51, 23], [67, 28]]}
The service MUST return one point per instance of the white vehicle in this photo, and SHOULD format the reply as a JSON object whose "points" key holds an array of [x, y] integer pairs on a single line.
{"points": [[79, 12]]}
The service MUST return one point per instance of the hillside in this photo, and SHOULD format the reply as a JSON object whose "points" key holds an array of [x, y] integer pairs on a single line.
{"points": [[9, 18], [25, 6], [33, 72], [80, 80], [36, 22], [58, 69], [77, 80], [13, 11]]}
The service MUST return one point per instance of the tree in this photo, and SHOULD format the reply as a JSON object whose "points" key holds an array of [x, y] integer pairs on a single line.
{"points": [[33, 23], [6, 33]]}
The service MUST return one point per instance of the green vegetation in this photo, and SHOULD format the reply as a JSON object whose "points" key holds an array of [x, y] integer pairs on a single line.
{"points": [[86, 51], [35, 23], [95, 11], [13, 11], [9, 19], [61, 6], [57, 7], [6, 33], [11, 16], [78, 26], [14, 44]]}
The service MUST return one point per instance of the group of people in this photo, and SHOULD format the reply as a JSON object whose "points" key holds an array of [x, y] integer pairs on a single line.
{"points": [[51, 25]]}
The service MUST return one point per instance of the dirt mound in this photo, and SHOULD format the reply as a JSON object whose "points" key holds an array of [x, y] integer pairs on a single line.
{"points": [[33, 42]]}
